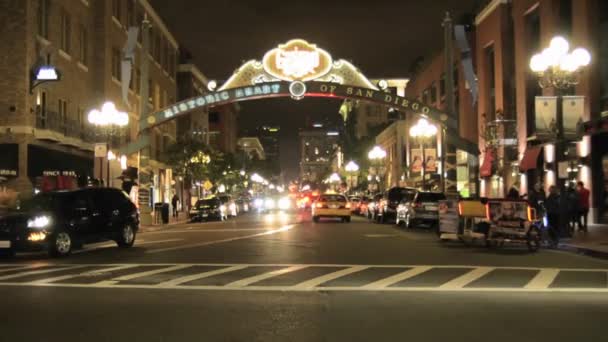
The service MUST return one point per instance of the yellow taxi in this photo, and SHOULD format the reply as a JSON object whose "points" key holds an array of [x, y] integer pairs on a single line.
{"points": [[333, 206]]}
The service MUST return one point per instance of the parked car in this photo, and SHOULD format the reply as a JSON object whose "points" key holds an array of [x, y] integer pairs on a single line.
{"points": [[62, 220], [422, 209], [387, 208], [355, 202], [232, 209], [362, 207], [243, 204], [331, 206], [207, 209]]}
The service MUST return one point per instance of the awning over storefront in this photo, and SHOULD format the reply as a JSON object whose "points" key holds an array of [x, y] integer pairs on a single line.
{"points": [[530, 159], [486, 167], [52, 163], [463, 144]]}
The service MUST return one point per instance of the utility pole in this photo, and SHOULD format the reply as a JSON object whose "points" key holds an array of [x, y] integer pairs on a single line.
{"points": [[144, 154]]}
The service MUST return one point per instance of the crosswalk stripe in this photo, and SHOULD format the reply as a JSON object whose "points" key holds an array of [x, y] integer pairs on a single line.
{"points": [[263, 276], [144, 274], [394, 279], [467, 278], [8, 269], [543, 279], [84, 274], [23, 274], [327, 277], [192, 277]]}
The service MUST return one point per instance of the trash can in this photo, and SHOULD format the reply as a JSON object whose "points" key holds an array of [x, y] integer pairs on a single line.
{"points": [[158, 208], [165, 213]]}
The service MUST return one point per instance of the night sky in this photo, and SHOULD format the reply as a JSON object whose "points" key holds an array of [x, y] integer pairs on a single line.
{"points": [[382, 38]]}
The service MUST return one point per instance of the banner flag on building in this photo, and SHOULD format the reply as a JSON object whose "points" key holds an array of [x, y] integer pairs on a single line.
{"points": [[128, 61], [573, 109], [546, 117], [466, 60]]}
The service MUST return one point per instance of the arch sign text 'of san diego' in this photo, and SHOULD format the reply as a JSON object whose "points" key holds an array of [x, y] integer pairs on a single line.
{"points": [[297, 69]]}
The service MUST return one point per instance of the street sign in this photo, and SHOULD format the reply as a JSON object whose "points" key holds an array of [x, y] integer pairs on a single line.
{"points": [[207, 185], [101, 150]]}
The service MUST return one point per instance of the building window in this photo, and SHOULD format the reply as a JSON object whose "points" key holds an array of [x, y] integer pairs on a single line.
{"points": [[116, 10], [63, 112], [603, 56], [442, 86], [565, 17], [532, 45], [425, 96], [43, 18], [214, 117], [84, 48], [41, 106], [433, 93], [66, 31], [150, 91], [116, 64]]}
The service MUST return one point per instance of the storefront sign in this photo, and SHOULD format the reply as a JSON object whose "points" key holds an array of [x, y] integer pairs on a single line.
{"points": [[54, 173], [8, 173], [297, 60]]}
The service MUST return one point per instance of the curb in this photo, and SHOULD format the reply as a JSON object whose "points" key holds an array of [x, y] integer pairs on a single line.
{"points": [[584, 251], [147, 229]]}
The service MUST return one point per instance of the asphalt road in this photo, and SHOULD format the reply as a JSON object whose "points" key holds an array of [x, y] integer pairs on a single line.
{"points": [[280, 277]]}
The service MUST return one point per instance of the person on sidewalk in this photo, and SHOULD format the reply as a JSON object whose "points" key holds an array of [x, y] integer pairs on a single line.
{"points": [[513, 193], [552, 205], [174, 202], [572, 198], [583, 206]]}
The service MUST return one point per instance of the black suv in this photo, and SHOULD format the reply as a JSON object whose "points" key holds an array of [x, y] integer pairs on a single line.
{"points": [[59, 221], [206, 209], [387, 207]]}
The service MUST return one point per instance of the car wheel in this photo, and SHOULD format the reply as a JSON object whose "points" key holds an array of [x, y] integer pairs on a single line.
{"points": [[127, 236], [315, 218], [61, 244], [347, 219], [408, 221], [533, 240], [8, 253]]}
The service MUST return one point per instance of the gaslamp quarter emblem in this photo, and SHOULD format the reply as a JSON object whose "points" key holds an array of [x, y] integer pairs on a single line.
{"points": [[297, 60]]}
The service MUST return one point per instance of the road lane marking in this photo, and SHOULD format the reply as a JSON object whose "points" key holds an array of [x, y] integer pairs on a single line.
{"points": [[23, 274], [104, 245], [327, 277], [208, 243], [263, 276], [212, 230], [394, 279], [466, 278], [8, 268], [543, 279], [185, 279], [145, 274], [84, 274]]}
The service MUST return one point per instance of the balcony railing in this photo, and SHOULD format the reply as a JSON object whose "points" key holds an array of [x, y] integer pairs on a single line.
{"points": [[54, 122]]}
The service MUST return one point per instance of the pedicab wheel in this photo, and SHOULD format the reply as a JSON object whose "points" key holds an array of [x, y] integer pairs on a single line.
{"points": [[533, 240]]}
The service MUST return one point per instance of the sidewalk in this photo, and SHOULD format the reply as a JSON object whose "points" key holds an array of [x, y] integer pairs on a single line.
{"points": [[594, 243], [182, 217]]}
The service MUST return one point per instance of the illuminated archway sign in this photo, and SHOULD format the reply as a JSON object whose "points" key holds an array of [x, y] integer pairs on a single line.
{"points": [[296, 69]]}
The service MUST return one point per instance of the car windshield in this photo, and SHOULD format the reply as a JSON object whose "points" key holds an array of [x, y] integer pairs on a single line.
{"points": [[401, 194], [207, 202], [46, 201], [430, 197], [332, 198]]}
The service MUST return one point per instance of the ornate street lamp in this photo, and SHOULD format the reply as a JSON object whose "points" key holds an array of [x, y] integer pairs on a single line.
{"points": [[559, 68], [376, 155], [351, 168], [108, 119], [423, 131]]}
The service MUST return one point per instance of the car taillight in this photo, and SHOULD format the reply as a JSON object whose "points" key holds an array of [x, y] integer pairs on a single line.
{"points": [[460, 208], [418, 205], [347, 205], [319, 205]]}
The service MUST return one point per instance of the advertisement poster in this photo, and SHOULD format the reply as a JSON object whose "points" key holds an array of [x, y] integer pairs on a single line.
{"points": [[431, 160], [416, 160], [508, 214], [573, 109], [546, 120], [448, 216]]}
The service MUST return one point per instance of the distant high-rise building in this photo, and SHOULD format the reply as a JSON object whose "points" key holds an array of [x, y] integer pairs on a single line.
{"points": [[319, 147], [269, 138]]}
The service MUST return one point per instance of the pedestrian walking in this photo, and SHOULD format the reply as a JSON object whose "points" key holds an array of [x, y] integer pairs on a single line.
{"points": [[536, 197], [583, 206], [572, 201], [552, 205], [174, 202]]}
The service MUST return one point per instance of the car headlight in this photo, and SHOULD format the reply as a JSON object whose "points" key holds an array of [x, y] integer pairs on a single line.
{"points": [[39, 222], [258, 203], [232, 206], [269, 203], [284, 203], [223, 207]]}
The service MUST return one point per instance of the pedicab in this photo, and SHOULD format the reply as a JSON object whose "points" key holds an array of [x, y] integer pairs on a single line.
{"points": [[463, 220], [512, 221]]}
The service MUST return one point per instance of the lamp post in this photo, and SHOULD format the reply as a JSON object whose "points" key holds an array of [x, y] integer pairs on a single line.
{"points": [[422, 131], [559, 68], [108, 119], [376, 156], [351, 168]]}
